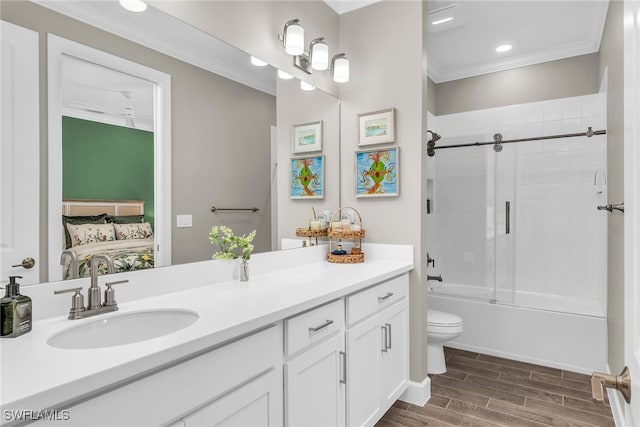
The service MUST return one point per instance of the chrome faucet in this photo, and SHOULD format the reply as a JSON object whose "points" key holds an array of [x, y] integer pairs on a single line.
{"points": [[94, 289], [438, 277], [75, 266], [78, 311]]}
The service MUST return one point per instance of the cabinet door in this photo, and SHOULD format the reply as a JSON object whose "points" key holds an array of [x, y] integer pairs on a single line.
{"points": [[256, 403], [395, 361], [364, 346], [314, 386]]}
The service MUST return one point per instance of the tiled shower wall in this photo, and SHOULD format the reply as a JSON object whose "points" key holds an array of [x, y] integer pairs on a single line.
{"points": [[557, 244]]}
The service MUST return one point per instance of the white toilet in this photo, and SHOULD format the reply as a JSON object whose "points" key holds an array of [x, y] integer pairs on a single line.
{"points": [[441, 328]]}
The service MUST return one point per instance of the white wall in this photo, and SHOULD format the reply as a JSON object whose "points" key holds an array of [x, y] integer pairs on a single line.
{"points": [[557, 243]]}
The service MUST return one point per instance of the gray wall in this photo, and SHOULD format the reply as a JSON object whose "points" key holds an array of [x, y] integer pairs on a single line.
{"points": [[550, 80], [431, 87], [369, 34], [216, 158], [612, 59]]}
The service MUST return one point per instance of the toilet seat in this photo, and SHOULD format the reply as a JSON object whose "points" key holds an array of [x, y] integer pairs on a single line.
{"points": [[439, 319]]}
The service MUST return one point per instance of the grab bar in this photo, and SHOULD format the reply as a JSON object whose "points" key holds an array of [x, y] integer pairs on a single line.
{"points": [[253, 209]]}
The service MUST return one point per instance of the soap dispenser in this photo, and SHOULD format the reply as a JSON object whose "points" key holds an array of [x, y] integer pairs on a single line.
{"points": [[15, 311]]}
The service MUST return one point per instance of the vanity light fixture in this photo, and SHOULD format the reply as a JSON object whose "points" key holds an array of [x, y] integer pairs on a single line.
{"points": [[317, 57], [284, 76], [306, 86], [319, 54], [340, 68], [293, 37], [258, 62], [503, 48], [134, 5]]}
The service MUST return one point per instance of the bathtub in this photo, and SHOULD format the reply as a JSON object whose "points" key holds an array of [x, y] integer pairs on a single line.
{"points": [[561, 332]]}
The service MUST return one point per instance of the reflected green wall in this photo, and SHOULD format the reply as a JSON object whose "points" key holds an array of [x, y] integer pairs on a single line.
{"points": [[102, 161]]}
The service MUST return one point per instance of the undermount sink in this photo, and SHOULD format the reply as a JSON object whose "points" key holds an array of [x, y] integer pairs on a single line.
{"points": [[123, 329]]}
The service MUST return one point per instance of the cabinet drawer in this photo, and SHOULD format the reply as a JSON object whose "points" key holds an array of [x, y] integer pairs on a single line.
{"points": [[312, 326], [365, 303]]}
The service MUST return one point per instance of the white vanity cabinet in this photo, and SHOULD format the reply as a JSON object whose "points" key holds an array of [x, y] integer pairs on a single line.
{"points": [[377, 349], [237, 384], [314, 371]]}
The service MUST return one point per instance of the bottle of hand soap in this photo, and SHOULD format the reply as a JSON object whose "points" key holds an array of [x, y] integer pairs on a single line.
{"points": [[15, 311]]}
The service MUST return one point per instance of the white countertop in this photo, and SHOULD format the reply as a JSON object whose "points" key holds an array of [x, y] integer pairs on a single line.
{"points": [[38, 376]]}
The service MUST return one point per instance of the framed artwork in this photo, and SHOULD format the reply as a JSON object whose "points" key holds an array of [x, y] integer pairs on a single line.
{"points": [[307, 177], [307, 137], [377, 173], [377, 127]]}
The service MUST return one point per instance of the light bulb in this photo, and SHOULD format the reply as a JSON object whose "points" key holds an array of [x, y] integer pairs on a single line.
{"points": [[319, 52], [340, 68], [294, 39]]}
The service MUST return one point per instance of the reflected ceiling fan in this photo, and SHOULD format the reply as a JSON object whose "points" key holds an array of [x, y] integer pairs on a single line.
{"points": [[128, 113]]}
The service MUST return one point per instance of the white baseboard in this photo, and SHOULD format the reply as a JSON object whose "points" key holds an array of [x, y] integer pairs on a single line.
{"points": [[417, 393], [617, 408]]}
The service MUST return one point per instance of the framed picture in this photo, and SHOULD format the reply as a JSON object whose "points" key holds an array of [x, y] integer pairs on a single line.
{"points": [[377, 173], [307, 177], [377, 127], [307, 137]]}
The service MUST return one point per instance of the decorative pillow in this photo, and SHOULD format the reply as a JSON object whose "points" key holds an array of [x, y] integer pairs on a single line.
{"points": [[91, 219], [125, 219], [133, 231], [82, 234]]}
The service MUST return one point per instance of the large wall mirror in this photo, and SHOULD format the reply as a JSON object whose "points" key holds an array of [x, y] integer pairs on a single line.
{"points": [[221, 128]]}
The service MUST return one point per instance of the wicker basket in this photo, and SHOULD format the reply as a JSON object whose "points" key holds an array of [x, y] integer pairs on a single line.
{"points": [[339, 234], [307, 231]]}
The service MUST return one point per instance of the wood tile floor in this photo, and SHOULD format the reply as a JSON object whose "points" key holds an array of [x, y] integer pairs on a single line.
{"points": [[481, 390]]}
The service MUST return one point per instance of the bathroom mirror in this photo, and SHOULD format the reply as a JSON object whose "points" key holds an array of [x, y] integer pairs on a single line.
{"points": [[213, 161]]}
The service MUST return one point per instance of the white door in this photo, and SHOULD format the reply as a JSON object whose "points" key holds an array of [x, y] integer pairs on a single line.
{"points": [[19, 153], [632, 205], [314, 390]]}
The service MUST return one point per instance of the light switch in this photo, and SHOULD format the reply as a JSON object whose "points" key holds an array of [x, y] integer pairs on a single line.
{"points": [[184, 221]]}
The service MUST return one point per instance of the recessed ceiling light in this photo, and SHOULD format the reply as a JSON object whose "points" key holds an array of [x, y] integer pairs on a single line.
{"points": [[284, 76], [258, 62], [442, 21], [503, 48], [306, 86], [134, 5]]}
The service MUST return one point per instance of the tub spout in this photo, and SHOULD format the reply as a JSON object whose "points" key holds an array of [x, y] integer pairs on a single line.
{"points": [[438, 277]]}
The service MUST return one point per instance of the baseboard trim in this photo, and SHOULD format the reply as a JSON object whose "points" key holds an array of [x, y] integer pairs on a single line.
{"points": [[417, 393], [617, 408]]}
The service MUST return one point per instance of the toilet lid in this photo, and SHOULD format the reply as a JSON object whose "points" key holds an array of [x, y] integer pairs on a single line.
{"points": [[441, 318]]}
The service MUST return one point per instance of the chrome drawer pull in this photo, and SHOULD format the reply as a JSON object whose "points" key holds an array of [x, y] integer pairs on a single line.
{"points": [[388, 325], [324, 325], [385, 344], [387, 296], [343, 380]]}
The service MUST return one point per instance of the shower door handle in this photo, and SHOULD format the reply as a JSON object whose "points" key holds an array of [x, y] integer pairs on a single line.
{"points": [[507, 213]]}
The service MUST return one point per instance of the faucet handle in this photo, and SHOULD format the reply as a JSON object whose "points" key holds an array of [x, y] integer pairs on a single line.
{"points": [[110, 294], [77, 301]]}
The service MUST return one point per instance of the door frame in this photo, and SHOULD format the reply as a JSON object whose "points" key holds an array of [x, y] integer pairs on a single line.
{"points": [[632, 206], [57, 47]]}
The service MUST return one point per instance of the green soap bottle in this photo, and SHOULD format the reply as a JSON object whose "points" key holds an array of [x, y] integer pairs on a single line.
{"points": [[15, 311]]}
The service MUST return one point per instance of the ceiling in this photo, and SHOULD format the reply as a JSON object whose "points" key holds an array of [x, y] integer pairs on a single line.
{"points": [[539, 30]]}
